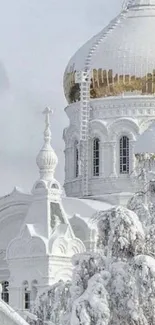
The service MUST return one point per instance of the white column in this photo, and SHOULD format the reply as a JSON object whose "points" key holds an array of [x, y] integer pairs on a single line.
{"points": [[102, 160], [113, 159], [66, 163], [132, 159], [79, 159], [71, 165]]}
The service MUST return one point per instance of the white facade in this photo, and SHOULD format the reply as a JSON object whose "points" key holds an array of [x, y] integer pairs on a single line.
{"points": [[111, 119]]}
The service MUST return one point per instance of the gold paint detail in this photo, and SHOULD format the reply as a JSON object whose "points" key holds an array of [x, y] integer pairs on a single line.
{"points": [[105, 84]]}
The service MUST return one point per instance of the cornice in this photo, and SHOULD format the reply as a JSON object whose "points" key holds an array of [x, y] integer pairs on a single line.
{"points": [[114, 107], [124, 101]]}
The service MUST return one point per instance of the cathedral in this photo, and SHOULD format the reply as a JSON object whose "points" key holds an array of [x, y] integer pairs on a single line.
{"points": [[109, 85]]}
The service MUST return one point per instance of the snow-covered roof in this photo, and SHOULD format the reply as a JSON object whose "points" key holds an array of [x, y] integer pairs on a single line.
{"points": [[85, 208]]}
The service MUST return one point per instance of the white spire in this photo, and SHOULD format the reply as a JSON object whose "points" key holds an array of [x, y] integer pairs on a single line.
{"points": [[47, 159]]}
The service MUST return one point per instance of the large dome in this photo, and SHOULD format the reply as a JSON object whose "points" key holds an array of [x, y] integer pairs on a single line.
{"points": [[121, 57]]}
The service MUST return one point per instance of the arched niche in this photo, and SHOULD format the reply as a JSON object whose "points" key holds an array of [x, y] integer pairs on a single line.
{"points": [[123, 126], [99, 130]]}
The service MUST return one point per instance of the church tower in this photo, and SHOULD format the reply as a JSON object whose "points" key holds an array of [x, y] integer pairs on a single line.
{"points": [[110, 88], [41, 254]]}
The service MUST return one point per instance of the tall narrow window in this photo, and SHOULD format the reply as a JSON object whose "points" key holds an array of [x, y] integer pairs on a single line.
{"points": [[27, 295], [96, 157], [5, 291], [27, 299], [76, 159], [124, 155]]}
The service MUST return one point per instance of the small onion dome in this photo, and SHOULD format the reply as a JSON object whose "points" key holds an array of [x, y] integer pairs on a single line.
{"points": [[47, 159]]}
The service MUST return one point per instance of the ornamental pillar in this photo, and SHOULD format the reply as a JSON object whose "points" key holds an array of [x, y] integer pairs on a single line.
{"points": [[106, 159], [102, 160], [71, 166], [113, 159], [132, 159], [67, 153]]}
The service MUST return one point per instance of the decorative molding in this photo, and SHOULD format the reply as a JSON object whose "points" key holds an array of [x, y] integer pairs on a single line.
{"points": [[25, 246], [98, 129]]}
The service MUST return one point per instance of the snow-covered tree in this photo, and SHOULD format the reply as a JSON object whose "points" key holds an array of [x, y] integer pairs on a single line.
{"points": [[114, 285]]}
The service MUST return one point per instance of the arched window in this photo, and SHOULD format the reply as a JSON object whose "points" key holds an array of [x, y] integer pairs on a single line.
{"points": [[5, 291], [76, 159], [27, 295], [124, 155], [96, 157], [27, 299]]}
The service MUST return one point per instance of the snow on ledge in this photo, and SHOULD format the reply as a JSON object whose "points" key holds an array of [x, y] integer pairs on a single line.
{"points": [[8, 316]]}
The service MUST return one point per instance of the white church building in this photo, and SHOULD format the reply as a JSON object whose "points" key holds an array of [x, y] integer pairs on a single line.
{"points": [[109, 85]]}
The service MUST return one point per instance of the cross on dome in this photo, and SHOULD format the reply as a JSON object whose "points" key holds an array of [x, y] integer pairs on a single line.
{"points": [[47, 132], [47, 159]]}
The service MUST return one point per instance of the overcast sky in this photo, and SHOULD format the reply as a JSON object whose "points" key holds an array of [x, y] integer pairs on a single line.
{"points": [[37, 39]]}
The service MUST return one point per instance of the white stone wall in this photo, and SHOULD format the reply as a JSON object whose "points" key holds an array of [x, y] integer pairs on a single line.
{"points": [[111, 118]]}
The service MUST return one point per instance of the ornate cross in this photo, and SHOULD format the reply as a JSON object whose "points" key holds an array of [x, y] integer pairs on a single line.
{"points": [[47, 132], [47, 111]]}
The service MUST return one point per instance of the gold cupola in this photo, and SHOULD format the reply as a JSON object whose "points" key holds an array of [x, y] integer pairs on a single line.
{"points": [[121, 57]]}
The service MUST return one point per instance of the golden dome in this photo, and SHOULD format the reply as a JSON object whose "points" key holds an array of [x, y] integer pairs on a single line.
{"points": [[121, 57]]}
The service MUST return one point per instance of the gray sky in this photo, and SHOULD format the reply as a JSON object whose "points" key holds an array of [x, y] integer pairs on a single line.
{"points": [[38, 37]]}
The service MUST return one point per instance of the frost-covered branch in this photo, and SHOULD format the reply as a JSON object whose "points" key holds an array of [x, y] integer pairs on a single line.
{"points": [[114, 286]]}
